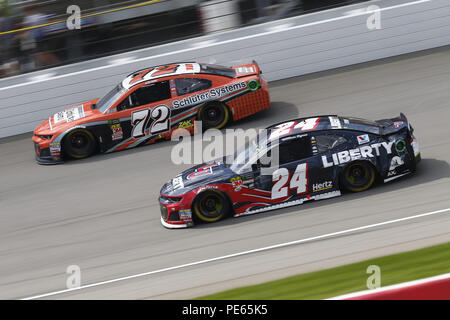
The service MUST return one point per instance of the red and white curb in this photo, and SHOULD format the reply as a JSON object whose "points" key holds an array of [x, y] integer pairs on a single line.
{"points": [[434, 288]]}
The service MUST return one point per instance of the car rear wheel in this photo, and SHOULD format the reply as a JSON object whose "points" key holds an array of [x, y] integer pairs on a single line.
{"points": [[211, 206], [79, 144], [358, 176], [214, 116]]}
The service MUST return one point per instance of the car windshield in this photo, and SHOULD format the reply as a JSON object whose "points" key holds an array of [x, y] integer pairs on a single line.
{"points": [[218, 70], [249, 154], [111, 97]]}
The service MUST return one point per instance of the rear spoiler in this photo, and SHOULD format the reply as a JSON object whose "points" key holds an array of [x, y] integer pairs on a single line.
{"points": [[254, 62], [244, 70], [393, 125]]}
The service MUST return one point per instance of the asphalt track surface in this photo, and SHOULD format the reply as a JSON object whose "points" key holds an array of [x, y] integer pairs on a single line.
{"points": [[102, 213]]}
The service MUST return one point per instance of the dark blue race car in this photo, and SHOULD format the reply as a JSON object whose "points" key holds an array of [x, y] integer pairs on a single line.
{"points": [[317, 158]]}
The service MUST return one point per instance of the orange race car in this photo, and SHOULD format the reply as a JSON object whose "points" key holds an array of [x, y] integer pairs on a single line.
{"points": [[148, 105]]}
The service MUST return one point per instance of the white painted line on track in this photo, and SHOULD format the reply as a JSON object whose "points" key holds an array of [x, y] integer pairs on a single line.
{"points": [[202, 46], [233, 255]]}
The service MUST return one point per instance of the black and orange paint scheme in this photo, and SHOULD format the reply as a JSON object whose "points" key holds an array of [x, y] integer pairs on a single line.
{"points": [[148, 105]]}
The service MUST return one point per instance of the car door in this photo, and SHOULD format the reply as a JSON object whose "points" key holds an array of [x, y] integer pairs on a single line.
{"points": [[299, 172], [142, 114], [322, 177], [286, 173]]}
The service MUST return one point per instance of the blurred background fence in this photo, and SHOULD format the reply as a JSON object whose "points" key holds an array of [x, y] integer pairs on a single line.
{"points": [[34, 34]]}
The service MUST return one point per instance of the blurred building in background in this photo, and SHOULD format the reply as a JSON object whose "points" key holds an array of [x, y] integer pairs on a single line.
{"points": [[34, 34]]}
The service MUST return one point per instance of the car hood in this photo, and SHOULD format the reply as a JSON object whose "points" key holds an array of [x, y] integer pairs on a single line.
{"points": [[201, 175], [69, 117]]}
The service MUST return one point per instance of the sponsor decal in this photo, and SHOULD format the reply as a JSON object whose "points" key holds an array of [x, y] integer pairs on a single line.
{"points": [[210, 94], [322, 186], [362, 139], [206, 188], [363, 152], [398, 124], [244, 70], [203, 171], [117, 133], [396, 162], [315, 150], [335, 123], [69, 115], [237, 183], [253, 85], [55, 149], [185, 215], [177, 183], [185, 124], [173, 87], [392, 173], [113, 121], [400, 145]]}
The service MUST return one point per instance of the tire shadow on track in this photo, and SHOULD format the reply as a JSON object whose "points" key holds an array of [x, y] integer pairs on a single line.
{"points": [[428, 170]]}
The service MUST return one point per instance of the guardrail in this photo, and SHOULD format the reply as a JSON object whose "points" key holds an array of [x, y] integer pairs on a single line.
{"points": [[284, 48]]}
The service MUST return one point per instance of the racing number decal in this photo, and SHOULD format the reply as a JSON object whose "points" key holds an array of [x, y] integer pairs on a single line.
{"points": [[298, 181], [308, 124], [286, 128], [165, 70], [282, 130], [161, 116], [141, 118], [139, 121], [281, 178]]}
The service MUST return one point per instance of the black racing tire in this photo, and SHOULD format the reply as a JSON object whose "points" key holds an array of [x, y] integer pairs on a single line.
{"points": [[79, 144], [211, 206], [358, 176], [214, 115]]}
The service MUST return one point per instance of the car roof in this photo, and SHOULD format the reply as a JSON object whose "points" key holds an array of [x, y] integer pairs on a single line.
{"points": [[151, 73], [331, 122]]}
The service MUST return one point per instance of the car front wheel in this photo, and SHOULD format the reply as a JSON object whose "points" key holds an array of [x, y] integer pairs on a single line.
{"points": [[79, 144], [211, 206]]}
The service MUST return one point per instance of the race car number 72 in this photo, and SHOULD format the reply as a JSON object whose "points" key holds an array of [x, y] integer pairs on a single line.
{"points": [[299, 181], [140, 119]]}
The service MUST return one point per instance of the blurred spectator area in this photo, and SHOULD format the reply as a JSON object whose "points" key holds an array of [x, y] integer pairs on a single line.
{"points": [[115, 26]]}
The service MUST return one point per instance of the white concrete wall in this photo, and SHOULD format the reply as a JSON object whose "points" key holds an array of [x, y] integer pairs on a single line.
{"points": [[284, 48]]}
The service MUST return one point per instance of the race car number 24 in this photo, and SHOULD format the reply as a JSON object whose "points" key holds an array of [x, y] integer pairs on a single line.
{"points": [[141, 119], [299, 181]]}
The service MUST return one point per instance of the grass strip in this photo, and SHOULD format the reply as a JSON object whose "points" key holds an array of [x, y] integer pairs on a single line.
{"points": [[396, 268]]}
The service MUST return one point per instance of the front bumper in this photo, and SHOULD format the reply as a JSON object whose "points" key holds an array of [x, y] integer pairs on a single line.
{"points": [[172, 225], [174, 215], [46, 155]]}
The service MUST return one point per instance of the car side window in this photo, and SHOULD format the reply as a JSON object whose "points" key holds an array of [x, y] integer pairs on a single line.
{"points": [[325, 142], [149, 94], [190, 85], [292, 150], [295, 149]]}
